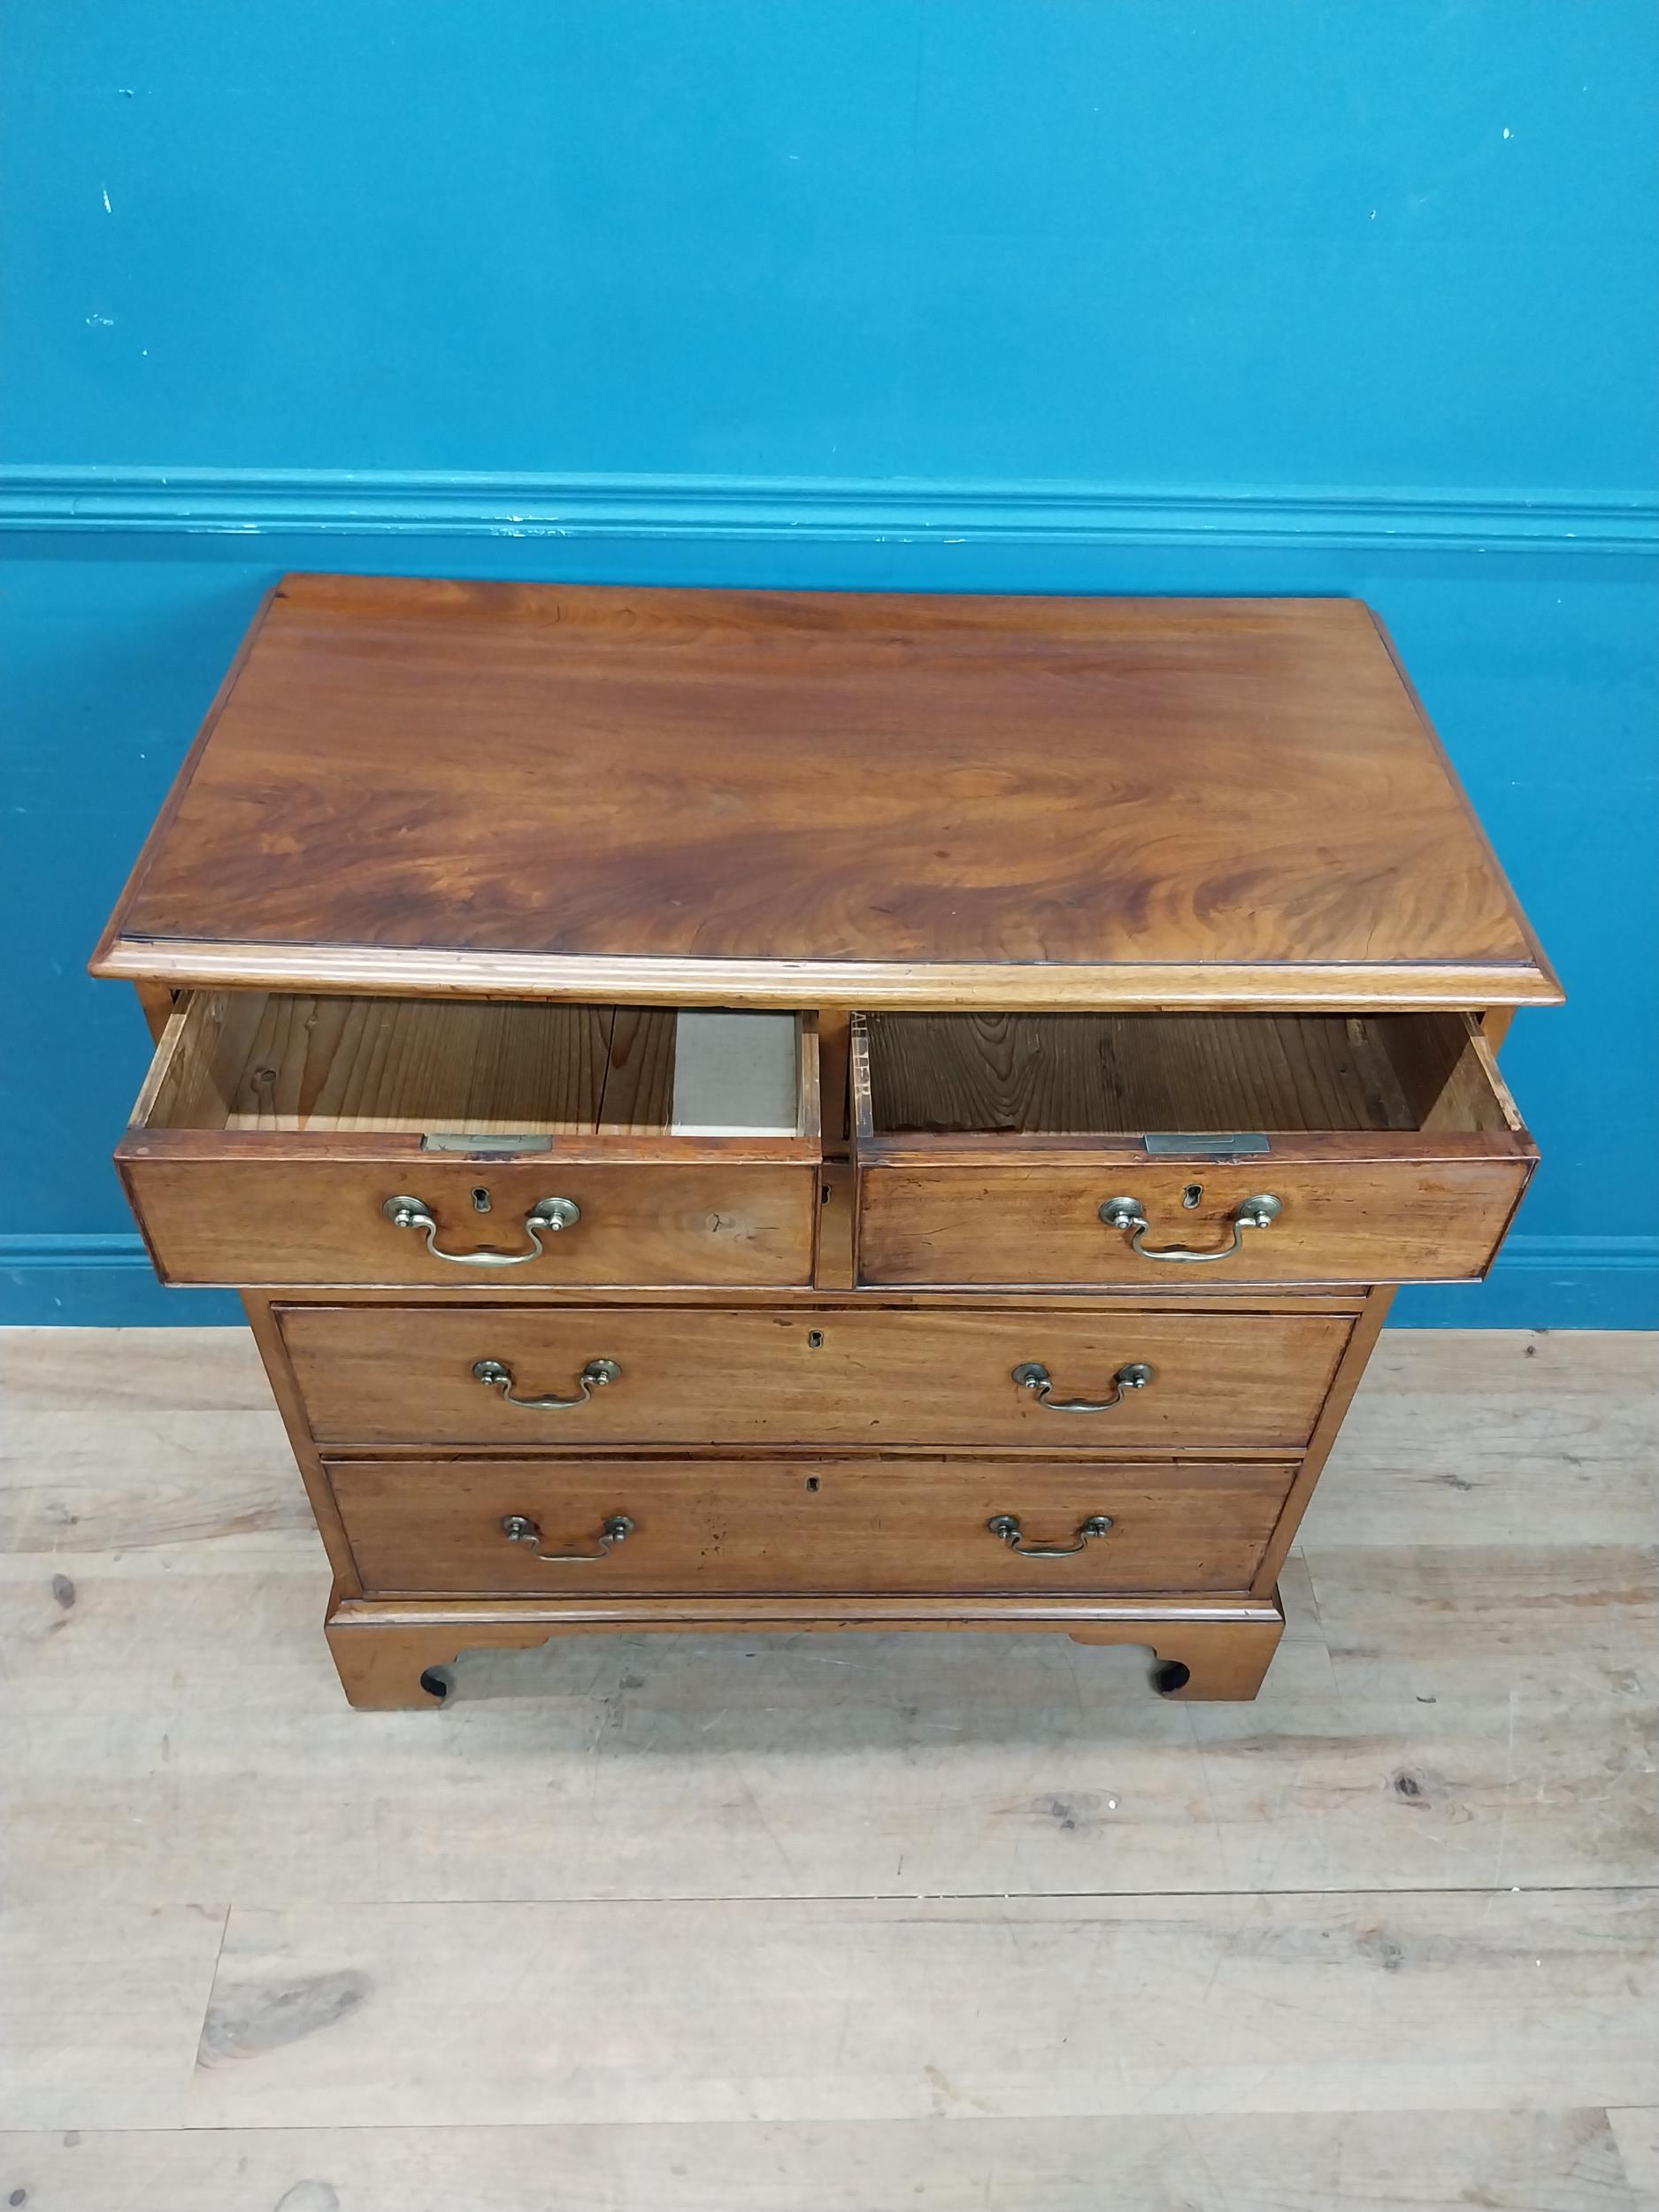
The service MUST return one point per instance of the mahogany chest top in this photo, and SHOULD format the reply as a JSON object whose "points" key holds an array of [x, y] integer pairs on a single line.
{"points": [[755, 798]]}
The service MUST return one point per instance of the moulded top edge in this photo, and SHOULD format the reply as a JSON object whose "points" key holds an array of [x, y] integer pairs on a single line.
{"points": [[1221, 986]]}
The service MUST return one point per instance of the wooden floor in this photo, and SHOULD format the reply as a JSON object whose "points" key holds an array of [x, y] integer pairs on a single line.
{"points": [[860, 1923]]}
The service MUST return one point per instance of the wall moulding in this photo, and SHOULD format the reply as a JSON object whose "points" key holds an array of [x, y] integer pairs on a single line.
{"points": [[471, 504]]}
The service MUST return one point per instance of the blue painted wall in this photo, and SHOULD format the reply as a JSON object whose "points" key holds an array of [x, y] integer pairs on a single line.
{"points": [[981, 295]]}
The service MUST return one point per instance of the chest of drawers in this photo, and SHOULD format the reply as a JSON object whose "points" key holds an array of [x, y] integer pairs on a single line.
{"points": [[744, 1111]]}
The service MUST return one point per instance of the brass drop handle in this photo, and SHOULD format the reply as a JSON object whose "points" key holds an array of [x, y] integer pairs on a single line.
{"points": [[550, 1214], [1250, 1213], [1006, 1526], [496, 1375], [1033, 1376], [519, 1528]]}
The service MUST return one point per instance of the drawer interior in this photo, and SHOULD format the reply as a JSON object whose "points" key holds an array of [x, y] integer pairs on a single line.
{"points": [[1024, 1075], [274, 1060]]}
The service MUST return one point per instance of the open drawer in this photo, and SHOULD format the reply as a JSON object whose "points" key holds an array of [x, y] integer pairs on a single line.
{"points": [[283, 1141], [1082, 1150]]}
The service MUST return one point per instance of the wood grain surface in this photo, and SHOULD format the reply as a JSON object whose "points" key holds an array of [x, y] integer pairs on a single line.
{"points": [[1359, 1220], [280, 1062], [1571, 2160], [395, 1654], [777, 797], [986, 1145], [825, 2010], [245, 1218], [402, 1377], [808, 1525], [408, 1064], [272, 1129], [1081, 1073]]}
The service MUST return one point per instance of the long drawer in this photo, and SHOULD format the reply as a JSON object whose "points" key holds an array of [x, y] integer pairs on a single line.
{"points": [[1104, 1151], [572, 1377], [514, 1527]]}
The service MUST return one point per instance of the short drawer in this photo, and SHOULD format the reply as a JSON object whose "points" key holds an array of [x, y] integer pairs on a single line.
{"points": [[402, 1142], [1092, 1149], [570, 1378], [515, 1527]]}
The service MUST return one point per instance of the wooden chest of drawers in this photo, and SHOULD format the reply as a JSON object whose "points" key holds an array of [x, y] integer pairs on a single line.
{"points": [[745, 1110]]}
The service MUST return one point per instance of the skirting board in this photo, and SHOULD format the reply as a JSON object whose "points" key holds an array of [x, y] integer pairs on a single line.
{"points": [[1540, 1282]]}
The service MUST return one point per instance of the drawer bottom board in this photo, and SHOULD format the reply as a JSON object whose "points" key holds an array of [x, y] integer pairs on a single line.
{"points": [[486, 1527]]}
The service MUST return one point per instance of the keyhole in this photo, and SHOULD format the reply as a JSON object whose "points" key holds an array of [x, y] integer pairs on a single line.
{"points": [[814, 1340], [1192, 1194], [481, 1200], [811, 1482]]}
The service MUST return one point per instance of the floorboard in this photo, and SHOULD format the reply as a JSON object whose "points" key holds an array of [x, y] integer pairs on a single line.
{"points": [[1549, 2161], [101, 2009], [1636, 2133], [840, 2009]]}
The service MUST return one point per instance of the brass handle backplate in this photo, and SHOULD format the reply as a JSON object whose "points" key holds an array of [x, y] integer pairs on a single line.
{"points": [[549, 1214], [494, 1374], [519, 1528], [1006, 1526], [1033, 1376], [1250, 1213]]}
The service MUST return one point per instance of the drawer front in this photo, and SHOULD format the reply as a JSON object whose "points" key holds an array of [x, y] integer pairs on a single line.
{"points": [[264, 1223], [1337, 1221], [519, 1528], [622, 1377]]}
